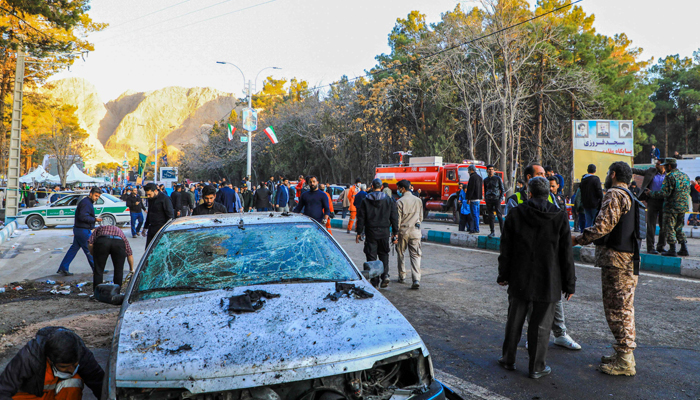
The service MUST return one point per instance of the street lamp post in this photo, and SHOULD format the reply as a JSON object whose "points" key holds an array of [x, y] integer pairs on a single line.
{"points": [[250, 105]]}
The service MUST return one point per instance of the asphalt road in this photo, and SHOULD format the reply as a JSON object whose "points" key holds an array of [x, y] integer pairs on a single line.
{"points": [[460, 313]]}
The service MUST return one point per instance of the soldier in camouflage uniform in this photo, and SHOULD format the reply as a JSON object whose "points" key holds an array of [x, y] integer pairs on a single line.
{"points": [[617, 272], [675, 191]]}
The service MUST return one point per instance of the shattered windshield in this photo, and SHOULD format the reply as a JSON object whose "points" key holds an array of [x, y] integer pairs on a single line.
{"points": [[229, 256]]}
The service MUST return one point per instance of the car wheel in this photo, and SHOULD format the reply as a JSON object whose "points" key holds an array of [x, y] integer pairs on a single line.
{"points": [[108, 220], [35, 223]]}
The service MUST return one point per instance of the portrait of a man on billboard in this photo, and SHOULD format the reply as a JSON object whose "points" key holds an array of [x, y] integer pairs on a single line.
{"points": [[603, 129], [581, 130]]}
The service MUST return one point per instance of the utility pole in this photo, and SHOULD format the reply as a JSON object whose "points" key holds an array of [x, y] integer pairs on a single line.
{"points": [[155, 171], [14, 162], [250, 135]]}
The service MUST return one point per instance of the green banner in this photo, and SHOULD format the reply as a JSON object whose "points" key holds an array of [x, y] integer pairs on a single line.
{"points": [[142, 164]]}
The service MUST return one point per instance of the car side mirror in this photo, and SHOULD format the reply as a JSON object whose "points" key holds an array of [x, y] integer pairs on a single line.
{"points": [[372, 269]]}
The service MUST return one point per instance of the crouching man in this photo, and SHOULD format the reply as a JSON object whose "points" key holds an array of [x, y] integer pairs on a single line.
{"points": [[54, 366]]}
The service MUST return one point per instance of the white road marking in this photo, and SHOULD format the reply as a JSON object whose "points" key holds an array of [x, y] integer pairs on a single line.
{"points": [[466, 389], [673, 278]]}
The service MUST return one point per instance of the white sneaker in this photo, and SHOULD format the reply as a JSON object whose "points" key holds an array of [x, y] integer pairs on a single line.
{"points": [[566, 341]]}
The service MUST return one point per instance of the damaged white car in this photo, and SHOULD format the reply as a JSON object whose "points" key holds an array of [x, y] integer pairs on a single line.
{"points": [[265, 307]]}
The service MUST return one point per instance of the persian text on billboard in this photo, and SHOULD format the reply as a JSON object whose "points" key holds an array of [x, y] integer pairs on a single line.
{"points": [[605, 136]]}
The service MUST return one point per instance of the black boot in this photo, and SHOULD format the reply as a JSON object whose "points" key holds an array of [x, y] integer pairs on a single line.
{"points": [[684, 250], [671, 251]]}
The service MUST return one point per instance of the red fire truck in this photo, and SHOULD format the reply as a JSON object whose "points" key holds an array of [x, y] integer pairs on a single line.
{"points": [[437, 180]]}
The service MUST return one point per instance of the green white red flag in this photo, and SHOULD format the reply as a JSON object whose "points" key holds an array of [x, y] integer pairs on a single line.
{"points": [[231, 130], [271, 134]]}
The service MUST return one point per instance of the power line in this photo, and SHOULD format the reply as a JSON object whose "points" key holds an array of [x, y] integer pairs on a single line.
{"points": [[166, 20], [372, 73], [147, 15]]}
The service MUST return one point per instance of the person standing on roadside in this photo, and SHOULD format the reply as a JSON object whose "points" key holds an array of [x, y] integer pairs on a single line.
{"points": [[376, 216], [410, 212], [209, 206], [554, 189], [493, 194], [614, 255], [282, 197], [655, 154], [191, 200], [675, 191], [247, 198], [135, 204], [160, 211], [227, 196], [344, 199], [591, 194], [82, 227], [474, 195], [653, 180], [464, 213], [351, 203], [262, 196], [314, 203], [387, 190], [324, 189], [107, 241], [536, 275], [176, 200]]}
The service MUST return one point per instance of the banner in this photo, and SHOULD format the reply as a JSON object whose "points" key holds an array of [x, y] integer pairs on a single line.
{"points": [[605, 136], [142, 164]]}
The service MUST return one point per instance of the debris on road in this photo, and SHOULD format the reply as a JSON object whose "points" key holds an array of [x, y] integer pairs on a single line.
{"points": [[348, 290]]}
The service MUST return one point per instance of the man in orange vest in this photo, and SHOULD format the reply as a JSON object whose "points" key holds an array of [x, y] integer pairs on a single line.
{"points": [[351, 198], [47, 368], [322, 187]]}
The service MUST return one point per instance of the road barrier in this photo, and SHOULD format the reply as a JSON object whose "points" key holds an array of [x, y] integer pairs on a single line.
{"points": [[7, 231]]}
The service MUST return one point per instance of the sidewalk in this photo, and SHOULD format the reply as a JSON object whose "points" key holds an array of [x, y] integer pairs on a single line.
{"points": [[448, 234]]}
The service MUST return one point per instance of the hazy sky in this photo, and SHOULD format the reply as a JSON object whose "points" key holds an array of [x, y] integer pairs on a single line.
{"points": [[315, 40]]}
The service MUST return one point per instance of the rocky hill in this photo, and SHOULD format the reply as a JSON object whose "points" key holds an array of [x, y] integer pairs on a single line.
{"points": [[130, 122]]}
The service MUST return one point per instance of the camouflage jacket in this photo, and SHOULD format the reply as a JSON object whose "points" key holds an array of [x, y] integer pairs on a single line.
{"points": [[615, 204], [675, 191]]}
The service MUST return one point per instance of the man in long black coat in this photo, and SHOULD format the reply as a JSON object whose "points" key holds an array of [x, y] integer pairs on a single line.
{"points": [[537, 265]]}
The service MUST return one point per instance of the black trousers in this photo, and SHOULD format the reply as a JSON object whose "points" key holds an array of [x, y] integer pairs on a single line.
{"points": [[491, 207], [152, 231], [538, 329], [103, 248], [464, 221], [655, 213], [378, 248]]}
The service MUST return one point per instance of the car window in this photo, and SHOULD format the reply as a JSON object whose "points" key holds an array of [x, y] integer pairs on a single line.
{"points": [[64, 201], [464, 175], [109, 197], [451, 176], [228, 256], [482, 173], [100, 201]]}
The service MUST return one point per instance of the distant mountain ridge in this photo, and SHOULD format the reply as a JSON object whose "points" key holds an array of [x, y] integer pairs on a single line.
{"points": [[130, 122]]}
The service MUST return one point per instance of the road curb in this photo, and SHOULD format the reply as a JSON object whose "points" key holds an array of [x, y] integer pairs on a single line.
{"points": [[7, 231], [649, 262]]}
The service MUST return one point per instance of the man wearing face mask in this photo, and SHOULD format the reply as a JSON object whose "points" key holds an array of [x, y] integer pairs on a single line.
{"points": [[54, 366]]}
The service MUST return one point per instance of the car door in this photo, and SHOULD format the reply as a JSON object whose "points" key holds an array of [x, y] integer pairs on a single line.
{"points": [[62, 211], [99, 206]]}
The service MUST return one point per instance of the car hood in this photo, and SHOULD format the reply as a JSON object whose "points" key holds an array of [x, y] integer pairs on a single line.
{"points": [[192, 341]]}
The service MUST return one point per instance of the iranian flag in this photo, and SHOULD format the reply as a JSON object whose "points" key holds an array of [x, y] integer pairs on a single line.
{"points": [[271, 134], [231, 130]]}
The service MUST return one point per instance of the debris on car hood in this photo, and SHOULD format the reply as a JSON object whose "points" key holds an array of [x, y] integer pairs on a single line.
{"points": [[284, 341], [348, 290], [249, 301]]}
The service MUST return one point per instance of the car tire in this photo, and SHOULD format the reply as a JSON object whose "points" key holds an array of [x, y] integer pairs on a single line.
{"points": [[108, 220], [35, 223]]}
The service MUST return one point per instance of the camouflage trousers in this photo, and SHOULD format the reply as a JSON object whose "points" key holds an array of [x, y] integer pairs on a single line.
{"points": [[673, 224], [618, 303]]}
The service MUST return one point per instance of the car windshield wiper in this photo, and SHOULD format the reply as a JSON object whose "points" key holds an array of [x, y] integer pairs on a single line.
{"points": [[292, 280], [176, 289]]}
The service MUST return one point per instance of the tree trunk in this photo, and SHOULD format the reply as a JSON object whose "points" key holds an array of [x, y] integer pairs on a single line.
{"points": [[665, 134], [538, 128]]}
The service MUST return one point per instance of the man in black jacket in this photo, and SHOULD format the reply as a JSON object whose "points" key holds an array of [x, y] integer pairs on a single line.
{"points": [[84, 224], [54, 365], [474, 195], [494, 191], [160, 211], [176, 199], [653, 179], [209, 205], [262, 198], [135, 204], [376, 215], [536, 272], [591, 195]]}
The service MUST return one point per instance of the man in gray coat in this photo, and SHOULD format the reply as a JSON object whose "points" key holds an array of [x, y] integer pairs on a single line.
{"points": [[410, 209]]}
